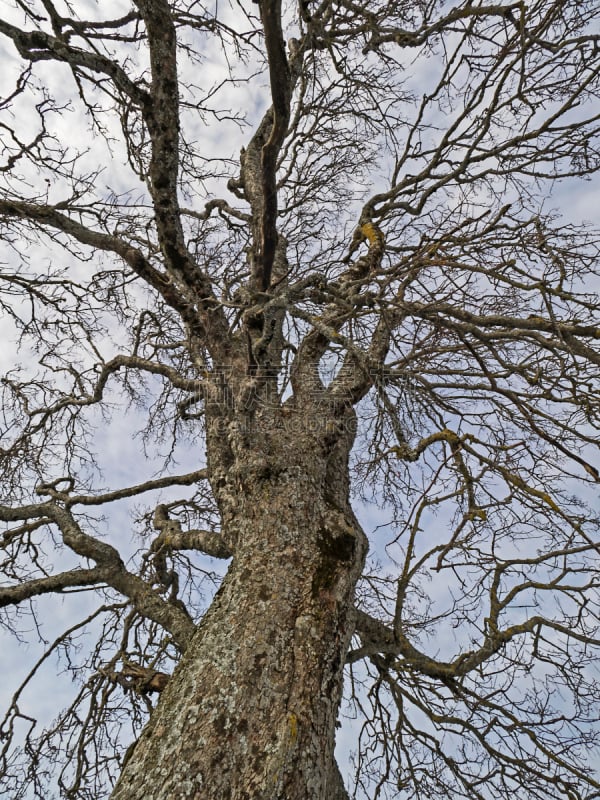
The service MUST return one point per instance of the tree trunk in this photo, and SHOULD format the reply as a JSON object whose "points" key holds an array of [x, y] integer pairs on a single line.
{"points": [[250, 711]]}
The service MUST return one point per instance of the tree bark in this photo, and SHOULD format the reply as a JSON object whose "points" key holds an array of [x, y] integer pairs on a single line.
{"points": [[250, 711]]}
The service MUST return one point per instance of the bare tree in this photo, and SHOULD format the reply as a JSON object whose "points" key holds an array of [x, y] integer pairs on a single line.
{"points": [[369, 303]]}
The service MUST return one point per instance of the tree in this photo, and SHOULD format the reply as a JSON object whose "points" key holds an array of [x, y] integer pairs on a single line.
{"points": [[369, 304]]}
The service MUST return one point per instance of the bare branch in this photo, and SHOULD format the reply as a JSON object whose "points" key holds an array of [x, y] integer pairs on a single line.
{"points": [[11, 595]]}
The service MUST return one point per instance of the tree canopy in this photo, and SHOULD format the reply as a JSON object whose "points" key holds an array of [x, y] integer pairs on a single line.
{"points": [[232, 227]]}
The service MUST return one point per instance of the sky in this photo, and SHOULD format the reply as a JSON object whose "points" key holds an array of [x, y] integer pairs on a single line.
{"points": [[122, 452]]}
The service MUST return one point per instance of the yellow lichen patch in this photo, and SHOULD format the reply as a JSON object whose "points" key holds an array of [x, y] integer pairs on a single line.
{"points": [[412, 454], [293, 726], [372, 233]]}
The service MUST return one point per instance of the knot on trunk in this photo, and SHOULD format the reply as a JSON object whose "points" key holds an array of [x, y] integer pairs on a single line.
{"points": [[141, 679], [337, 541]]}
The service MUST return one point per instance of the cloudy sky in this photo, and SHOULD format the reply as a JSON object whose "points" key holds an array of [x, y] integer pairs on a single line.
{"points": [[122, 457]]}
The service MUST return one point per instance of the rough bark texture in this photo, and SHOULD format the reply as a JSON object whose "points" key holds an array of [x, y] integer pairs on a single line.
{"points": [[384, 243], [251, 710]]}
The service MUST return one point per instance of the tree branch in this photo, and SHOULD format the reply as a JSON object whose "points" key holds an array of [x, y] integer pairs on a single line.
{"points": [[174, 618], [161, 114], [41, 46], [11, 595], [173, 538], [281, 93], [49, 216], [131, 491]]}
